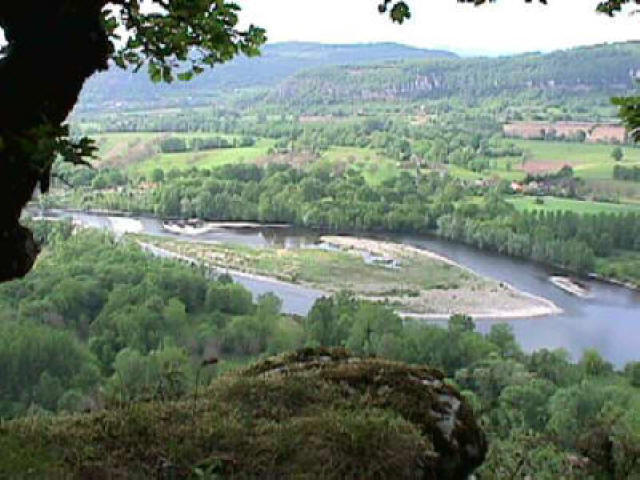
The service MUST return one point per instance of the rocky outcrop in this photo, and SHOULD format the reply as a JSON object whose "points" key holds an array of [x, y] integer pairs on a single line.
{"points": [[456, 446], [316, 413]]}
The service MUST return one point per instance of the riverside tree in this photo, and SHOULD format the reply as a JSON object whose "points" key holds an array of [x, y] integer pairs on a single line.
{"points": [[54, 46]]}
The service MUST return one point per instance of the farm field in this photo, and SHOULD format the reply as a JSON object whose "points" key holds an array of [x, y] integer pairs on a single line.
{"points": [[575, 153], [591, 162], [138, 152], [501, 171], [578, 206], [107, 142], [375, 168], [203, 159], [111, 145]]}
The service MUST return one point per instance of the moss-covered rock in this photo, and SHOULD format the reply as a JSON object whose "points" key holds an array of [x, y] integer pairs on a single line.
{"points": [[316, 413], [418, 394]]}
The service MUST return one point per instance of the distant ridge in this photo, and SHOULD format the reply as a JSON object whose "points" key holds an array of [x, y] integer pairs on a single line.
{"points": [[601, 70], [278, 62], [304, 74]]}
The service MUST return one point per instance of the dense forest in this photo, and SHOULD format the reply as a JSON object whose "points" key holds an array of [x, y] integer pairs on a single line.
{"points": [[322, 197], [100, 322], [598, 69]]}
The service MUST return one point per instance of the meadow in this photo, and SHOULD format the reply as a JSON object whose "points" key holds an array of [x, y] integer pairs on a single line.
{"points": [[591, 162], [375, 167], [579, 206], [139, 153], [203, 159]]}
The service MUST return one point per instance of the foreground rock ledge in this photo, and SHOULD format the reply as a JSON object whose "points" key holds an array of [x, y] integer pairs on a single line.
{"points": [[316, 413], [456, 447]]}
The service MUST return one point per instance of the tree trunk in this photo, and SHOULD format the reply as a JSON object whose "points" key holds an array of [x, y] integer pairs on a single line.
{"points": [[41, 76]]}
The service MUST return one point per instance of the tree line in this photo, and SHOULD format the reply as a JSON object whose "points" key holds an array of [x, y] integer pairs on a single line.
{"points": [[328, 198], [629, 174], [101, 323], [196, 144]]}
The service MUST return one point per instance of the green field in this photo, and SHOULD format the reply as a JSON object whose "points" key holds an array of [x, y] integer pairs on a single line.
{"points": [[375, 167], [579, 155], [113, 144], [327, 269], [591, 162], [139, 153], [501, 171], [204, 159], [578, 206]]}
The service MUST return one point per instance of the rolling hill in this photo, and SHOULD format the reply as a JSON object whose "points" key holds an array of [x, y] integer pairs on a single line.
{"points": [[601, 70], [312, 74], [277, 62]]}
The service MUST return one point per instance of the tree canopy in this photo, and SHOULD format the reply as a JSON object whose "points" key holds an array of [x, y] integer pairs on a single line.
{"points": [[50, 55]]}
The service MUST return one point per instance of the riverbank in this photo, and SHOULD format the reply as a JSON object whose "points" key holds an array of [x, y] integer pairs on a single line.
{"points": [[607, 269], [607, 323], [199, 227], [499, 301], [416, 282]]}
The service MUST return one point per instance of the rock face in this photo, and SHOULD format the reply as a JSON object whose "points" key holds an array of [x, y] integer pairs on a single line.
{"points": [[456, 446], [316, 413]]}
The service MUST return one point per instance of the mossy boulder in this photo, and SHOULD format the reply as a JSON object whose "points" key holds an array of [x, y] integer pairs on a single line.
{"points": [[455, 443], [317, 413]]}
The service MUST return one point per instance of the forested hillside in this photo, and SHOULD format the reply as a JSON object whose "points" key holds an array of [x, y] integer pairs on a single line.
{"points": [[307, 74], [603, 69], [123, 340], [277, 62]]}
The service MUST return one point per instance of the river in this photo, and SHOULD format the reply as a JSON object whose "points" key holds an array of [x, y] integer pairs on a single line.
{"points": [[608, 321]]}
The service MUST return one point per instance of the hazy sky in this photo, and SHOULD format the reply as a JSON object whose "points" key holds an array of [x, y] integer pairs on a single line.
{"points": [[504, 27], [507, 26]]}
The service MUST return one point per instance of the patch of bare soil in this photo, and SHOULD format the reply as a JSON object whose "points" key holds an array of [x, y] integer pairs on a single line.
{"points": [[297, 159], [125, 154], [539, 166]]}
